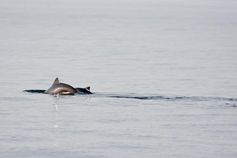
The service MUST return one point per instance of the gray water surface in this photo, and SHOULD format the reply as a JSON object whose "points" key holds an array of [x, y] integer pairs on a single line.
{"points": [[164, 75]]}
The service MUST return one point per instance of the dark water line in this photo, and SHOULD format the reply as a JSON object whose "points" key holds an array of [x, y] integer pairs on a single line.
{"points": [[151, 97], [175, 98], [35, 91]]}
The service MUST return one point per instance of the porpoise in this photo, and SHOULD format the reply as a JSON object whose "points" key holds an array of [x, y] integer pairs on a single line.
{"points": [[61, 89]]}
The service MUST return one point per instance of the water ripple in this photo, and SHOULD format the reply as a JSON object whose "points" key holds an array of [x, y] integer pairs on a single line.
{"points": [[153, 97], [173, 98]]}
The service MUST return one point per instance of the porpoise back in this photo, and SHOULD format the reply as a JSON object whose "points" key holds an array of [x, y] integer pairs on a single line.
{"points": [[61, 88]]}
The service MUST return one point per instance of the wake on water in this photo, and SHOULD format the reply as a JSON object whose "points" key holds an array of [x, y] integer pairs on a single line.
{"points": [[151, 97]]}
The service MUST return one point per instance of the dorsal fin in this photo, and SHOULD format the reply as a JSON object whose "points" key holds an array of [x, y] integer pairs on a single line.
{"points": [[56, 81], [88, 88]]}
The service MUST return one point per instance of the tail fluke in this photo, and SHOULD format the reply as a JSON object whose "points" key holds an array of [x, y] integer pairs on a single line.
{"points": [[83, 90]]}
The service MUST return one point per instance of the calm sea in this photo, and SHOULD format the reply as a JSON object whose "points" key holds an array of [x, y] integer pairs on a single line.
{"points": [[164, 74]]}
